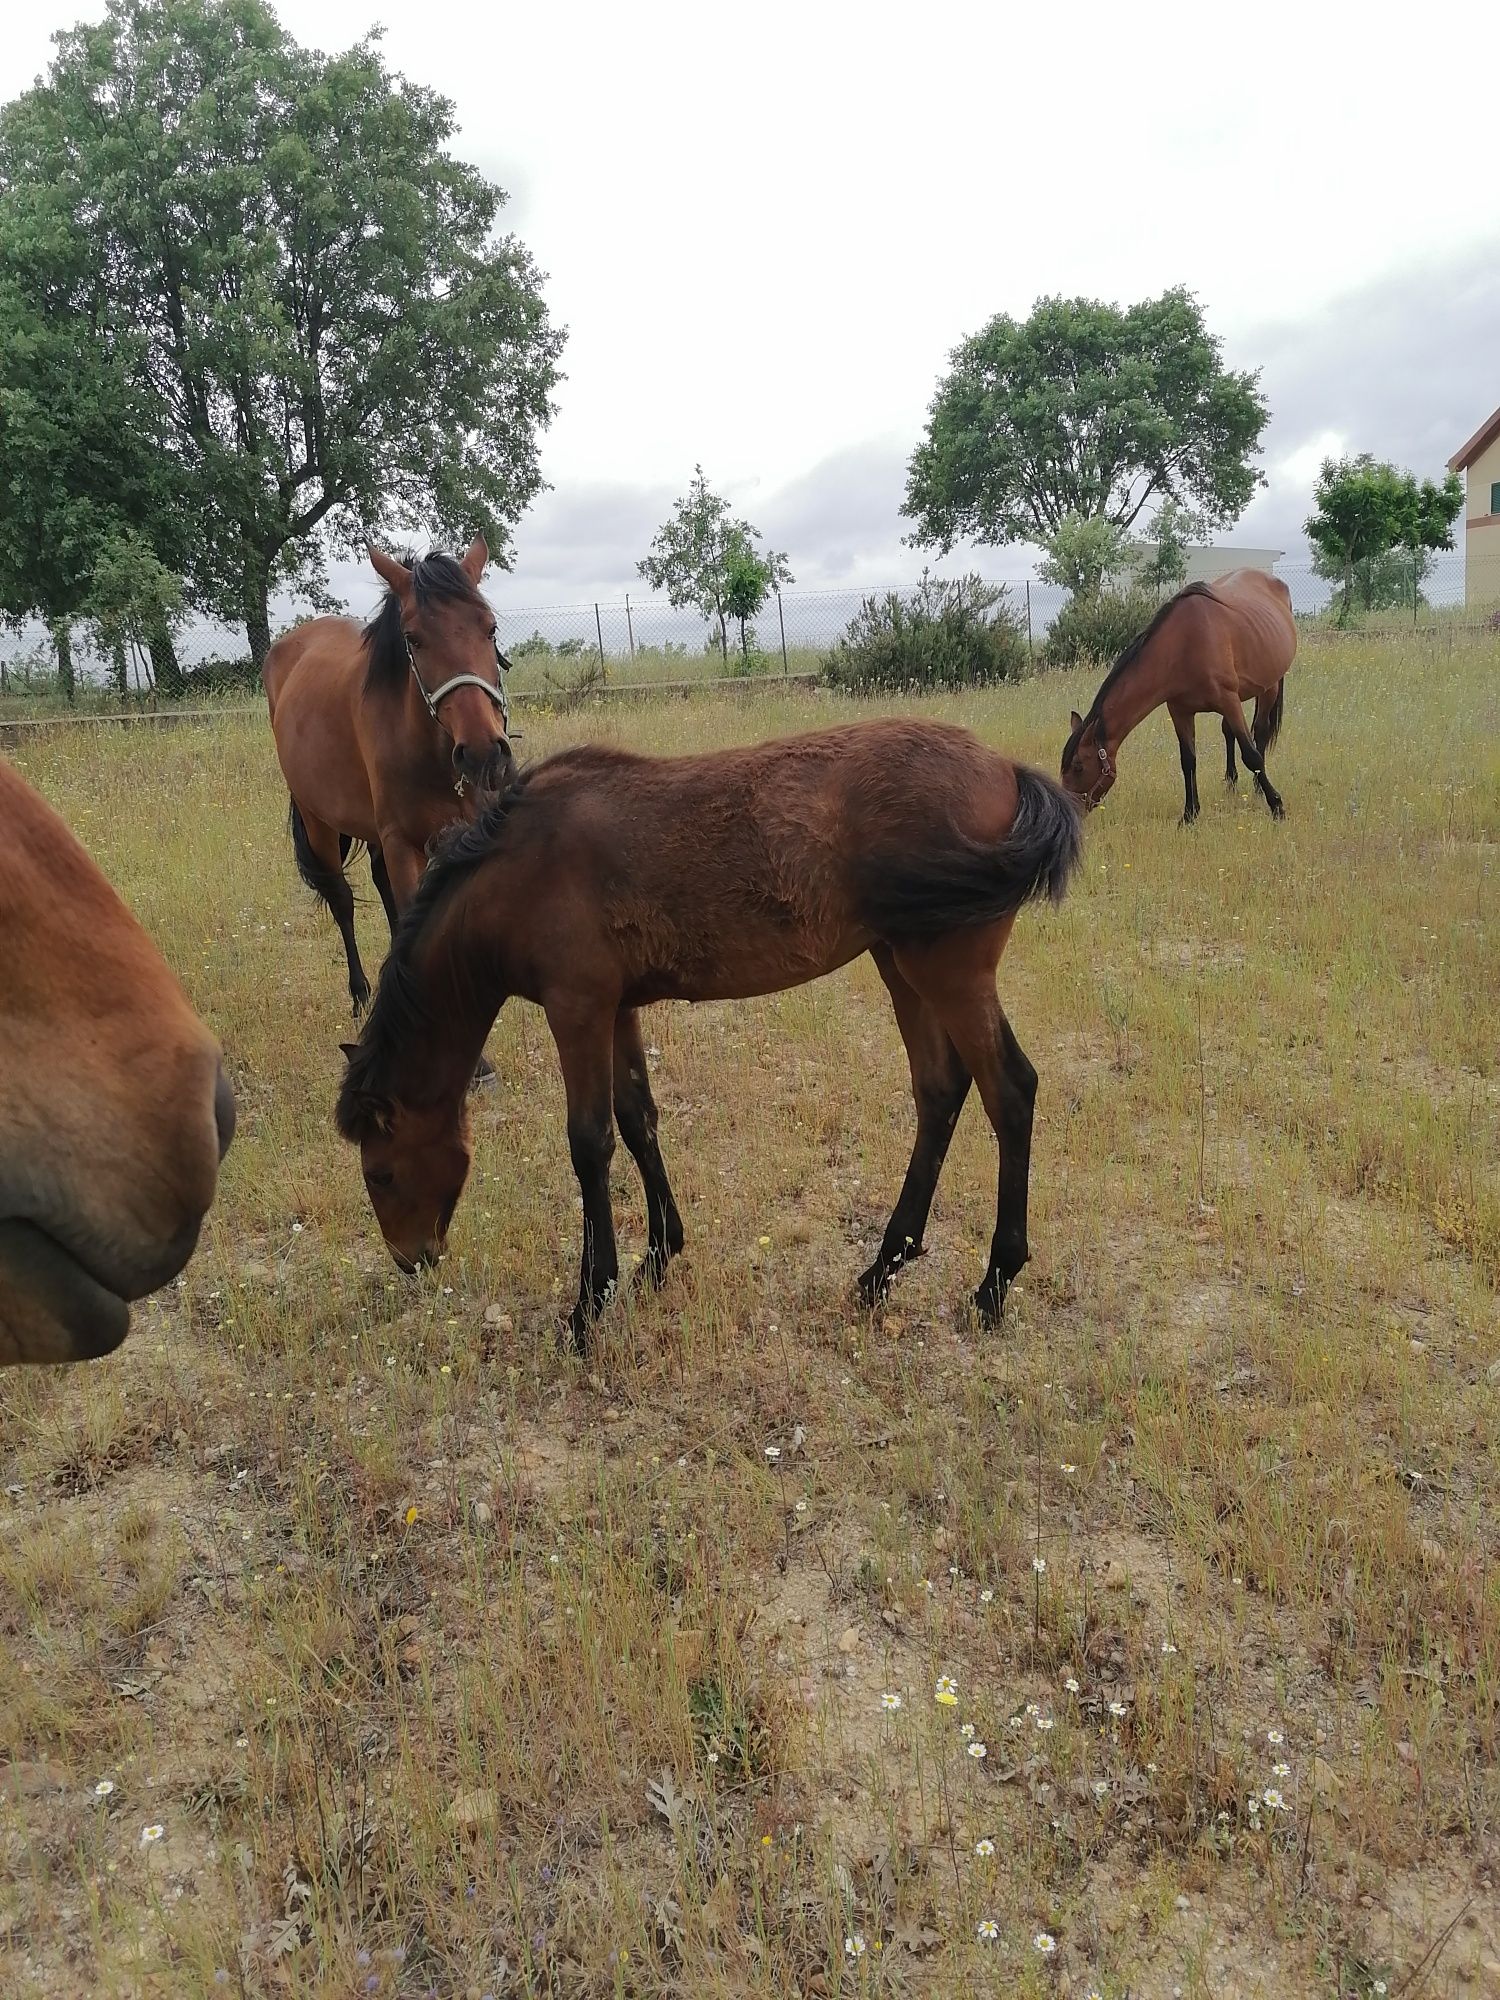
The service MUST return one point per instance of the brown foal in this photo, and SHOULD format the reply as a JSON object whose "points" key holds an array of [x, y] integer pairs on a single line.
{"points": [[1207, 651], [600, 882]]}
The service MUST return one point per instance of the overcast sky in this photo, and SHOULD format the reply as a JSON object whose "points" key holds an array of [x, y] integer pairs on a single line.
{"points": [[766, 228]]}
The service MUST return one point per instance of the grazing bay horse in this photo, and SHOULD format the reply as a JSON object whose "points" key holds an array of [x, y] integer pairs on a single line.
{"points": [[389, 733], [600, 881], [114, 1108], [1207, 651]]}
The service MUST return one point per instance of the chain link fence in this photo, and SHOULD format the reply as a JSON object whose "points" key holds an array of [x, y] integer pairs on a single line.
{"points": [[636, 640]]}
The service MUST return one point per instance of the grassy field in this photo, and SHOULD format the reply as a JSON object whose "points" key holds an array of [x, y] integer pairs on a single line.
{"points": [[356, 1639]]}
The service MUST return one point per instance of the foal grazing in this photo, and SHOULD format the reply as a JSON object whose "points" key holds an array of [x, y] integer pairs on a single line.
{"points": [[1207, 651], [387, 735], [601, 881], [115, 1111]]}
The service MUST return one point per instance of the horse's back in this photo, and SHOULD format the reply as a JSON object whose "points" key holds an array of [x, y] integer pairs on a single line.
{"points": [[1265, 630], [326, 647]]}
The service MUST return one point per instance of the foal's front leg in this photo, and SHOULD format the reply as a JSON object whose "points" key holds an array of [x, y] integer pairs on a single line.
{"points": [[583, 1032]]}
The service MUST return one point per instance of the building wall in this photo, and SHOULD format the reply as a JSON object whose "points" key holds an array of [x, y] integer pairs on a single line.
{"points": [[1482, 529], [1203, 565]]}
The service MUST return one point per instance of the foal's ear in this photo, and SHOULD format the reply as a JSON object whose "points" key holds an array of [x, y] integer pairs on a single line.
{"points": [[349, 1049], [475, 557], [397, 575], [1075, 718]]}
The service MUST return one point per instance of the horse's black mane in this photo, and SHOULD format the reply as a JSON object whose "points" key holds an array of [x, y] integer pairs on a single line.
{"points": [[398, 1011], [435, 579], [1129, 657]]}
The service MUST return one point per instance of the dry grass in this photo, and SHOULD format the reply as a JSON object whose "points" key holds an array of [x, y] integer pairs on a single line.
{"points": [[448, 1666]]}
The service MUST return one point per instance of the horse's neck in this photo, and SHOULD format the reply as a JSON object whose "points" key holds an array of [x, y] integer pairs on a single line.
{"points": [[1138, 691]]}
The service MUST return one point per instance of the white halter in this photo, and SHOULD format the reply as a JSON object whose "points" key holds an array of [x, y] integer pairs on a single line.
{"points": [[494, 689]]}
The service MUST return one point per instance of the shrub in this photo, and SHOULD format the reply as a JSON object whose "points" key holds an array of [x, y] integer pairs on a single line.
{"points": [[1096, 630], [941, 634], [220, 676]]}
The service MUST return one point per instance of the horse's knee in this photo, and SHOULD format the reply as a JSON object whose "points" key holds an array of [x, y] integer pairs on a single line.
{"points": [[591, 1143]]}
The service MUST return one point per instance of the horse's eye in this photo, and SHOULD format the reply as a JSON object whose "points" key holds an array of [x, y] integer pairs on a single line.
{"points": [[413, 640], [380, 1177]]}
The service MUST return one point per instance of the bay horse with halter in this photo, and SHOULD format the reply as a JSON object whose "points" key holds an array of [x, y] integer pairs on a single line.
{"points": [[1207, 651], [388, 733], [114, 1112], [600, 881]]}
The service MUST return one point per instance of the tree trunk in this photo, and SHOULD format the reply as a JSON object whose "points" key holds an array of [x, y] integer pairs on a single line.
{"points": [[723, 636], [257, 607], [166, 668], [62, 645], [121, 668]]}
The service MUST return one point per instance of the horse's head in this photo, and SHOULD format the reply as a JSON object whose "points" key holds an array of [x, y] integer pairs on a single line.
{"points": [[1088, 769], [115, 1111], [449, 635], [415, 1164]]}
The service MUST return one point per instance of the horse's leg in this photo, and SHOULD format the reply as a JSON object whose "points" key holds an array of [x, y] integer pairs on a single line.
{"points": [[584, 1035], [956, 976], [1234, 716], [1231, 775], [1182, 722], [939, 1085], [635, 1114], [381, 877], [321, 866]]}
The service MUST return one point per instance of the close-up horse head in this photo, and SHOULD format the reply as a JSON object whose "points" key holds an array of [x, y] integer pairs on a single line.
{"points": [[116, 1111], [446, 632]]}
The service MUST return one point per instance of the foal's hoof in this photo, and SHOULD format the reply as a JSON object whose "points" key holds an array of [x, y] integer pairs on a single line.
{"points": [[360, 996], [483, 1076], [871, 1286], [1278, 810], [989, 1300]]}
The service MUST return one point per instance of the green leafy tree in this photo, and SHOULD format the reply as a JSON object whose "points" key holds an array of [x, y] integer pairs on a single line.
{"points": [[704, 558], [1366, 511], [1165, 567], [309, 286], [81, 458], [1083, 554], [133, 605], [1084, 409]]}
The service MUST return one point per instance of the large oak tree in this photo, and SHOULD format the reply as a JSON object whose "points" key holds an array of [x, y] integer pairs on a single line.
{"points": [[1085, 410], [306, 287]]}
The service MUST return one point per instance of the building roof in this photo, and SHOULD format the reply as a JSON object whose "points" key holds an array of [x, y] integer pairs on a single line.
{"points": [[1482, 439]]}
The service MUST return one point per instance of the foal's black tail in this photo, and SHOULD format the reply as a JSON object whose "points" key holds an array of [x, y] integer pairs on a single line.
{"points": [[326, 882], [1268, 723], [956, 883]]}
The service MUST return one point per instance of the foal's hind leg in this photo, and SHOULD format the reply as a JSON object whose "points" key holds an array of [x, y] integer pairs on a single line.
{"points": [[1231, 775], [956, 976], [939, 1085], [635, 1114], [1234, 718], [583, 1032]]}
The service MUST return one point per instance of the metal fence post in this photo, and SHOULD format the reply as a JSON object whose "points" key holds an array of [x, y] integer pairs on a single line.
{"points": [[629, 629], [786, 667], [598, 627], [1030, 653]]}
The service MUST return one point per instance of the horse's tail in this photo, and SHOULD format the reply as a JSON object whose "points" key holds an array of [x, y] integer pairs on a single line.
{"points": [[1268, 725], [965, 883], [322, 880]]}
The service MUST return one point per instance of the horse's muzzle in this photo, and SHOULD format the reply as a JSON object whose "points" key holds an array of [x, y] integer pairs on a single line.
{"points": [[485, 766]]}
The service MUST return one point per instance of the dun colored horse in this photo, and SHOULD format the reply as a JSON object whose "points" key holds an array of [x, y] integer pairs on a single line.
{"points": [[385, 735], [115, 1111], [1206, 652], [600, 881]]}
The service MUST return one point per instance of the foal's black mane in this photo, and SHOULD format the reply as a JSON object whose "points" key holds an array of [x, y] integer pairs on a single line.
{"points": [[398, 1012], [1129, 657], [435, 579]]}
